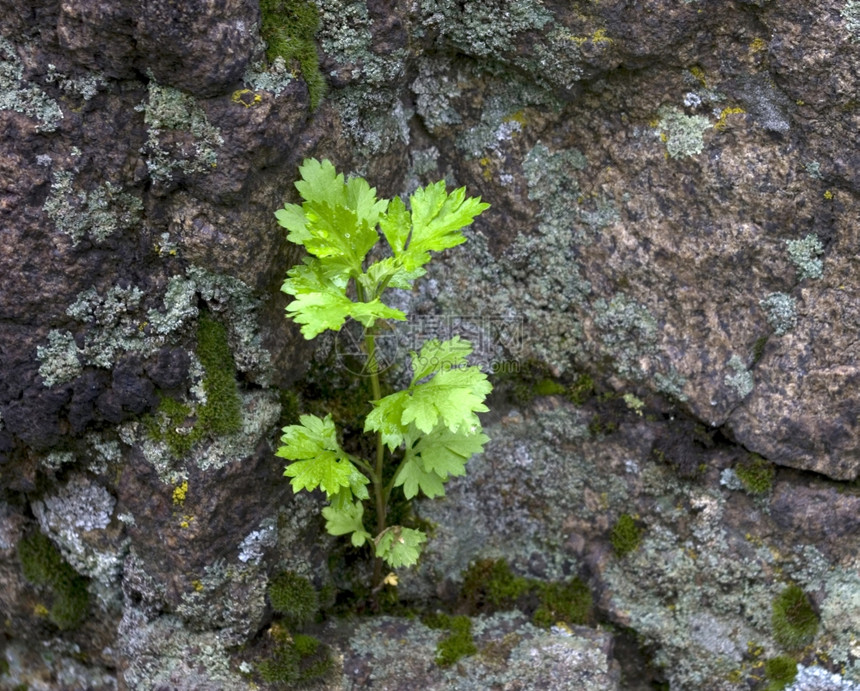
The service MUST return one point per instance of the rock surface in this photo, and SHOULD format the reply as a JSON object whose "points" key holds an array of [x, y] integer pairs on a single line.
{"points": [[672, 244]]}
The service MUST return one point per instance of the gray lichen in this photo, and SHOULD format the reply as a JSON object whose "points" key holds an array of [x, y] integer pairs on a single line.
{"points": [[740, 380], [683, 134], [781, 311], [851, 18], [804, 254], [22, 97], [59, 360], [168, 110], [97, 214]]}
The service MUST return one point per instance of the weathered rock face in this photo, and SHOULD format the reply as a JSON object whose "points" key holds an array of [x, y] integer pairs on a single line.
{"points": [[675, 191]]}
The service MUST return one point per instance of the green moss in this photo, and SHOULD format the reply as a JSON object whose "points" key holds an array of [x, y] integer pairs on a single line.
{"points": [[490, 584], [289, 27], [180, 425], [569, 602], [294, 597], [43, 565], [459, 641], [780, 672], [298, 661], [626, 535], [581, 390], [755, 474], [793, 619], [222, 412]]}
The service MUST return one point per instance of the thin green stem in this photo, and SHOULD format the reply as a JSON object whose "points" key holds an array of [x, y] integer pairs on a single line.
{"points": [[378, 490]]}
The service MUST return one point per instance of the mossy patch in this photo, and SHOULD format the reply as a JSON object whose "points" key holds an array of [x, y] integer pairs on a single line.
{"points": [[489, 585], [296, 661], [294, 597], [626, 535], [43, 565], [756, 474], [780, 672], [458, 643], [288, 28], [793, 618], [180, 425]]}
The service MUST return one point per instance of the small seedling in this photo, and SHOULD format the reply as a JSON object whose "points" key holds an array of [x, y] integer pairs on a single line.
{"points": [[424, 433]]}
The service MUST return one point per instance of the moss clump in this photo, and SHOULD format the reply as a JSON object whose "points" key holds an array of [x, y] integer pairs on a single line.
{"points": [[222, 413], [178, 424], [626, 535], [298, 660], [780, 672], [570, 602], [459, 641], [289, 27], [43, 565], [793, 618], [489, 585], [755, 474], [294, 597]]}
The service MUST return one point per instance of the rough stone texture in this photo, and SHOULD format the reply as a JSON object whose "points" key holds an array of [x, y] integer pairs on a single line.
{"points": [[675, 191]]}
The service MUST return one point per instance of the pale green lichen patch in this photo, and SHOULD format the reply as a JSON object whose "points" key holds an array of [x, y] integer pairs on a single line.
{"points": [[682, 134], [85, 87], [805, 255], [740, 379], [781, 311], [97, 213], [17, 95], [851, 18], [168, 110], [627, 332], [59, 360], [274, 78], [115, 321]]}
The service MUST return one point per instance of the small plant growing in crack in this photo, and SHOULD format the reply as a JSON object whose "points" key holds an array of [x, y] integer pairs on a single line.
{"points": [[424, 433]]}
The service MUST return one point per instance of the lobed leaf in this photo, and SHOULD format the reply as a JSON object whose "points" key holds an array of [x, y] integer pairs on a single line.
{"points": [[347, 520], [399, 546]]}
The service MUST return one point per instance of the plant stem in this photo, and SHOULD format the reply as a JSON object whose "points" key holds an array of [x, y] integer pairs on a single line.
{"points": [[378, 491]]}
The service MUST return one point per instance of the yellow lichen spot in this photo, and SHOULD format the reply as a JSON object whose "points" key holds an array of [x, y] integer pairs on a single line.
{"points": [[757, 45], [197, 585], [828, 195], [654, 122], [40, 610], [800, 102], [519, 117], [699, 74], [246, 97], [186, 521], [179, 493], [722, 121], [600, 36], [664, 137], [391, 579], [485, 169]]}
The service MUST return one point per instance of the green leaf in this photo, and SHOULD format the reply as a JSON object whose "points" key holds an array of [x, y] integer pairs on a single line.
{"points": [[399, 546], [337, 221], [452, 396], [444, 452], [413, 478], [437, 222], [319, 462], [396, 226], [435, 356], [385, 418], [345, 521], [322, 304]]}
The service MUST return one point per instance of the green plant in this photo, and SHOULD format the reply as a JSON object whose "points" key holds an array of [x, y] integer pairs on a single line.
{"points": [[43, 565], [626, 535], [294, 597], [780, 672], [424, 433], [793, 618], [755, 474], [288, 27]]}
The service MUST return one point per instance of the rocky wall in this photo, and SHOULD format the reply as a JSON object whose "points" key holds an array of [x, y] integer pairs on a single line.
{"points": [[665, 288]]}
